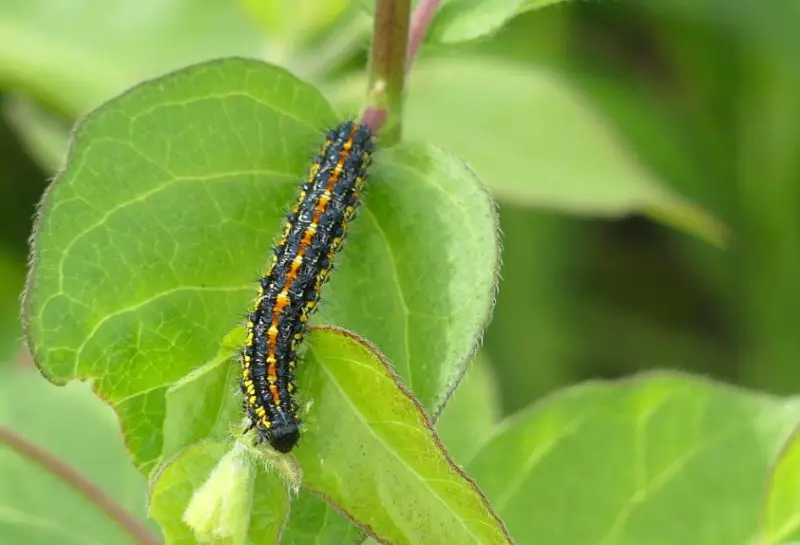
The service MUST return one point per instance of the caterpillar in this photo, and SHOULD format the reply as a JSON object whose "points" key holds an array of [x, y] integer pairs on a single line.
{"points": [[289, 290]]}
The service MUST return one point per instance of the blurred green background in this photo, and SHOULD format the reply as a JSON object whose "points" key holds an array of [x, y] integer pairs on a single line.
{"points": [[703, 94]]}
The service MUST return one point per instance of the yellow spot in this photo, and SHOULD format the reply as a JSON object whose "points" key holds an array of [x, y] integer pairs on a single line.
{"points": [[266, 423], [252, 400]]}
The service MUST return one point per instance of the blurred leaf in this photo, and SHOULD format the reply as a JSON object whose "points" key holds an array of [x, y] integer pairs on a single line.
{"points": [[616, 463], [181, 477], [533, 318], [371, 451], [463, 20], [295, 19], [45, 137], [748, 21], [469, 416], [21, 188], [780, 521], [73, 424], [548, 147], [12, 280], [78, 54], [627, 340], [152, 239]]}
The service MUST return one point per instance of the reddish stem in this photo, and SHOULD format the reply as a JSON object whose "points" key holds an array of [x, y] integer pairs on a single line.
{"points": [[420, 23], [106, 503]]}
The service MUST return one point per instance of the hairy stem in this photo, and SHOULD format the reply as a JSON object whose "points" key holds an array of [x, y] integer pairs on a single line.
{"points": [[420, 23], [387, 68]]}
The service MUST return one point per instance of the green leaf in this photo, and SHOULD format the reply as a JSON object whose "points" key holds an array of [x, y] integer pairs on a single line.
{"points": [[370, 450], [314, 522], [153, 237], [470, 415], [620, 463], [419, 272], [464, 20], [781, 517], [536, 141], [73, 425], [78, 55], [179, 479]]}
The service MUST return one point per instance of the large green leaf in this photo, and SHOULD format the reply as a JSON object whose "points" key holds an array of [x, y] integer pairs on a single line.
{"points": [[152, 238], [78, 54], [77, 429], [661, 459], [371, 450]]}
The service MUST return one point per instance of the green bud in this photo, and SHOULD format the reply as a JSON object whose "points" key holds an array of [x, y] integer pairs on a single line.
{"points": [[220, 508]]}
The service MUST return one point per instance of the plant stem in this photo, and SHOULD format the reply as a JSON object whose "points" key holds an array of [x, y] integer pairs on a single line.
{"points": [[78, 482], [387, 69], [420, 23]]}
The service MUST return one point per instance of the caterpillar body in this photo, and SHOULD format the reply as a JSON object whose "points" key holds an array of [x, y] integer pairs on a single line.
{"points": [[289, 290]]}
